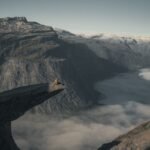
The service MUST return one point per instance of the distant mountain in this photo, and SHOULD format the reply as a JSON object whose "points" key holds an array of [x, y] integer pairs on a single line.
{"points": [[32, 53], [137, 139], [130, 52]]}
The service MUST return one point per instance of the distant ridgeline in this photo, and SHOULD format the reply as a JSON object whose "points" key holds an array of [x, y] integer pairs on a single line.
{"points": [[20, 24], [13, 19]]}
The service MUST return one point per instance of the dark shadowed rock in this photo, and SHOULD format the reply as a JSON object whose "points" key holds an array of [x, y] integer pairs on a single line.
{"points": [[128, 51], [16, 102]]}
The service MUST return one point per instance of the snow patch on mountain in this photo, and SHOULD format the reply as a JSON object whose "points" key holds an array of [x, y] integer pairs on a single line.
{"points": [[145, 73]]}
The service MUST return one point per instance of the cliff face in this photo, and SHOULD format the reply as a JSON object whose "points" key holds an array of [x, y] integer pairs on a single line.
{"points": [[137, 139], [31, 53]]}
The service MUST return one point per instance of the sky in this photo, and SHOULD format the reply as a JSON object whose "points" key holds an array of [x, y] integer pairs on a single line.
{"points": [[127, 17]]}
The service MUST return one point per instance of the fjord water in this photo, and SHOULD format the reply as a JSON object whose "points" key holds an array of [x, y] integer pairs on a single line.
{"points": [[133, 86]]}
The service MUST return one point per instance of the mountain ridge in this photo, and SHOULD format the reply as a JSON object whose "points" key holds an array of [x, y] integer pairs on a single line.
{"points": [[132, 53], [22, 25], [33, 53]]}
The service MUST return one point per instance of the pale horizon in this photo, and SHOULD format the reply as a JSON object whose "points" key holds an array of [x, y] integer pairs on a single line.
{"points": [[119, 17]]}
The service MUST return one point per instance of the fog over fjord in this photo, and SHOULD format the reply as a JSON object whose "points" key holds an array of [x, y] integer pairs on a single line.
{"points": [[127, 105]]}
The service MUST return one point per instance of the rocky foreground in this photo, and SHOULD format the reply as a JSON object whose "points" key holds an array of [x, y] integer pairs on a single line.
{"points": [[136, 139], [14, 103]]}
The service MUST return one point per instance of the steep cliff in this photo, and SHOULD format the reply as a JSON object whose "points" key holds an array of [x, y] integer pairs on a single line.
{"points": [[32, 53]]}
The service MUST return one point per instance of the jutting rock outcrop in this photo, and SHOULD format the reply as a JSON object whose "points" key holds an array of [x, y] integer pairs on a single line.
{"points": [[16, 102]]}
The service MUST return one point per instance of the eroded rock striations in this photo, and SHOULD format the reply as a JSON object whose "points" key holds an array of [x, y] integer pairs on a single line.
{"points": [[136, 139], [31, 53]]}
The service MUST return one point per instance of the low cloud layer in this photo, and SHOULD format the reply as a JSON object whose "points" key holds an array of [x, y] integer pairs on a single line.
{"points": [[127, 105], [86, 131]]}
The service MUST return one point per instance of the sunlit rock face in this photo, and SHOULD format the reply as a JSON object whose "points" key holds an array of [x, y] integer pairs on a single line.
{"points": [[138, 138], [20, 24], [32, 53]]}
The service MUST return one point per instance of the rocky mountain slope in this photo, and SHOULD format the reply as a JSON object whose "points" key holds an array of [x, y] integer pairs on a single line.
{"points": [[32, 53], [137, 139], [130, 52]]}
